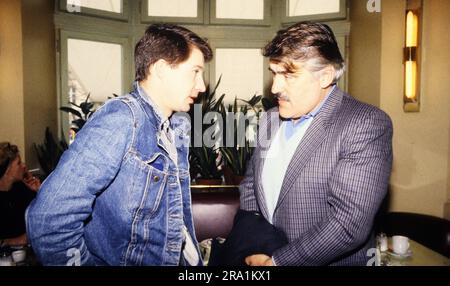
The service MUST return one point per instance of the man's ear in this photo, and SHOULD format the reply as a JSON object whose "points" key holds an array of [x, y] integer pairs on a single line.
{"points": [[327, 76], [159, 68]]}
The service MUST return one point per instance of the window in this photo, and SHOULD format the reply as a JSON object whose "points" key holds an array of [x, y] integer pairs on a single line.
{"points": [[114, 6], [243, 69], [172, 8], [248, 9], [116, 9], [241, 12], [305, 10], [91, 65], [178, 11], [96, 40], [94, 68], [238, 80]]}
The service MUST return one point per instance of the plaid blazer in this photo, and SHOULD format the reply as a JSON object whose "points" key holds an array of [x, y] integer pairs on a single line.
{"points": [[333, 186]]}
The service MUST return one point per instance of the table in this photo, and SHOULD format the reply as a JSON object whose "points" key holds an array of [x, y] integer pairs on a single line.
{"points": [[421, 256]]}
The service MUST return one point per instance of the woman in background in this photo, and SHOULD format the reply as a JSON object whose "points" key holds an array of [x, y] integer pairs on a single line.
{"points": [[17, 189]]}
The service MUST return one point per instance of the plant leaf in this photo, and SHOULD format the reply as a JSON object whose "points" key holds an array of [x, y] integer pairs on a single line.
{"points": [[71, 110]]}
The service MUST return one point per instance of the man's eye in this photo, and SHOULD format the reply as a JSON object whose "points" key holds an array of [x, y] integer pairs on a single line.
{"points": [[289, 75]]}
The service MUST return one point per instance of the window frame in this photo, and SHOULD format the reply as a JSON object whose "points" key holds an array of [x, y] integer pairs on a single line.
{"points": [[266, 21], [124, 16], [286, 19], [231, 34], [145, 18], [63, 90]]}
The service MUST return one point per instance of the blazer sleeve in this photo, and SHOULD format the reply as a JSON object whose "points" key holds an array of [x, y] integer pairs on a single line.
{"points": [[356, 190], [55, 220]]}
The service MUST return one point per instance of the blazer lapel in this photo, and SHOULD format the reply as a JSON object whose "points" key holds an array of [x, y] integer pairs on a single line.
{"points": [[311, 141]]}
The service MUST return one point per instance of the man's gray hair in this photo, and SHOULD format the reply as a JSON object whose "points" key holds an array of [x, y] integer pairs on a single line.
{"points": [[311, 43]]}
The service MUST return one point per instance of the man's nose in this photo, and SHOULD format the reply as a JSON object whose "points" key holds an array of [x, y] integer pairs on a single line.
{"points": [[276, 85], [201, 85]]}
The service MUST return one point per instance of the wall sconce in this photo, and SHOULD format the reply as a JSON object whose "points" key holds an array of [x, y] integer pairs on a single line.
{"points": [[411, 93]]}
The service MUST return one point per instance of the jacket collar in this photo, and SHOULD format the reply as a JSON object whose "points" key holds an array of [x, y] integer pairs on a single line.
{"points": [[149, 106], [178, 121]]}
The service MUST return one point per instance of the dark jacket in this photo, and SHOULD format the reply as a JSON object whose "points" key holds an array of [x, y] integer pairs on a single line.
{"points": [[251, 234]]}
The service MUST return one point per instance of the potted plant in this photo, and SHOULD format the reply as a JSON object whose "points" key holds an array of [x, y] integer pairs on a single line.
{"points": [[205, 165], [237, 156], [205, 162], [50, 152], [86, 109]]}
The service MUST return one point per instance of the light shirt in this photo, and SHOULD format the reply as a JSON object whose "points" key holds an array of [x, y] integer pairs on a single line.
{"points": [[190, 253], [168, 139], [280, 153]]}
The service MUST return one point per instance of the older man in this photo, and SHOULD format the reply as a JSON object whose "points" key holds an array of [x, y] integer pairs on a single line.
{"points": [[325, 171]]}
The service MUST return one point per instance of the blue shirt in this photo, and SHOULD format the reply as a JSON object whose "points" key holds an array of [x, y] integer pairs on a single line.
{"points": [[291, 126]]}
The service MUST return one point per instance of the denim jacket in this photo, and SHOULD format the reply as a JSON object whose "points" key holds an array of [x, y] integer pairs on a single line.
{"points": [[116, 197]]}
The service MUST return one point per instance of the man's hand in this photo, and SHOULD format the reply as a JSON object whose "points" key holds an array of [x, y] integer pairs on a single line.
{"points": [[32, 182], [20, 240], [259, 260]]}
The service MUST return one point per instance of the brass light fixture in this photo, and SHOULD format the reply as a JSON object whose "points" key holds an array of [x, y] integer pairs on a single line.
{"points": [[411, 92]]}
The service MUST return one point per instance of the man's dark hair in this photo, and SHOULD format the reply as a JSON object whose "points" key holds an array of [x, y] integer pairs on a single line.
{"points": [[171, 43], [305, 41]]}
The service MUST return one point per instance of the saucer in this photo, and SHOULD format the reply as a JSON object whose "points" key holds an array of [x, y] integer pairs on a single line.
{"points": [[406, 255]]}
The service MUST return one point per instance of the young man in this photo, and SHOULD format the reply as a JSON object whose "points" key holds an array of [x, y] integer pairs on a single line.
{"points": [[330, 156], [120, 194]]}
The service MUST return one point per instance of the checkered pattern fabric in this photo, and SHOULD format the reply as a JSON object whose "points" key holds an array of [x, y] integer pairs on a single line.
{"points": [[333, 186]]}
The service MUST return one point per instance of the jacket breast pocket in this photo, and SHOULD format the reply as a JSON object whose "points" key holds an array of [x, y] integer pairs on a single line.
{"points": [[148, 186]]}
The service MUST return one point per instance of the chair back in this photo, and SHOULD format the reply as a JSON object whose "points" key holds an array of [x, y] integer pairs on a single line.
{"points": [[214, 213]]}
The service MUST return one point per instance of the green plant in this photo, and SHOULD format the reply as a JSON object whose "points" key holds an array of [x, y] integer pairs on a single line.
{"points": [[86, 109], [50, 152], [237, 155], [236, 158], [205, 161]]}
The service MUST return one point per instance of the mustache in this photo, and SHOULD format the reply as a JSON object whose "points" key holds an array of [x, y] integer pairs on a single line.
{"points": [[280, 96]]}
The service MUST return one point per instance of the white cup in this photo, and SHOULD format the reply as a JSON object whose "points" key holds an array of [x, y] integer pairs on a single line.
{"points": [[19, 255], [400, 244]]}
